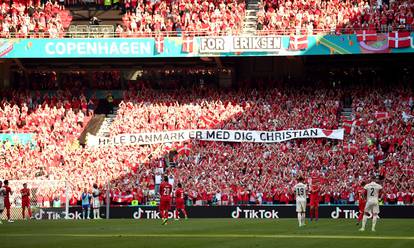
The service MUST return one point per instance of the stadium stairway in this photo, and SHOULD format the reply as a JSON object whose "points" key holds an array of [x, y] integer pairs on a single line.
{"points": [[250, 19], [107, 122], [92, 128], [82, 16]]}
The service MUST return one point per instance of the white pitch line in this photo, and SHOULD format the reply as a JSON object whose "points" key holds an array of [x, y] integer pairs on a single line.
{"points": [[269, 236]]}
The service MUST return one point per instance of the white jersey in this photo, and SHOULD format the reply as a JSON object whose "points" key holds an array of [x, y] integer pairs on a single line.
{"points": [[95, 198], [2, 195], [95, 193], [373, 189], [300, 192]]}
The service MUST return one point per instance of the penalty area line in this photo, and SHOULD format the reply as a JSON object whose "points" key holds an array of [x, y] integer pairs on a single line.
{"points": [[269, 236]]}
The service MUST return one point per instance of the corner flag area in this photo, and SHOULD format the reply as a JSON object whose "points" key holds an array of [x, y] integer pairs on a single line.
{"points": [[205, 233]]}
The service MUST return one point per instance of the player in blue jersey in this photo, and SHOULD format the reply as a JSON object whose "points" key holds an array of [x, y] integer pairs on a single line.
{"points": [[86, 204]]}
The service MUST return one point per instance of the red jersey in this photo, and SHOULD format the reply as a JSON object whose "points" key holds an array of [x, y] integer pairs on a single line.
{"points": [[314, 193], [361, 195], [25, 194], [179, 193], [8, 192], [165, 190]]}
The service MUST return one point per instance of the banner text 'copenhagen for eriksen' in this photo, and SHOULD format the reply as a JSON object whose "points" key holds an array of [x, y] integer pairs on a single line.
{"points": [[214, 135]]}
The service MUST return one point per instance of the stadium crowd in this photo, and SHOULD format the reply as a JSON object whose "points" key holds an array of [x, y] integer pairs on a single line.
{"points": [[317, 16], [379, 141], [25, 19], [212, 17]]}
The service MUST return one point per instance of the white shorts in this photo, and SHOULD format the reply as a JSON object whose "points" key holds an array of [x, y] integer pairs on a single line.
{"points": [[1, 206], [300, 206], [96, 203], [372, 207]]}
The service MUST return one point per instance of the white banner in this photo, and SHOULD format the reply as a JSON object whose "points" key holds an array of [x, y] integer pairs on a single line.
{"points": [[227, 44], [214, 135]]}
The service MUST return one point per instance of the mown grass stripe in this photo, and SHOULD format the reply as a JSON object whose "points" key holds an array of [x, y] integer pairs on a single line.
{"points": [[270, 236]]}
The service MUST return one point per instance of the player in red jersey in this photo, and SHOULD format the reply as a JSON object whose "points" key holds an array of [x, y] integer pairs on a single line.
{"points": [[361, 203], [179, 202], [165, 201], [7, 204], [314, 202], [26, 201], [2, 194]]}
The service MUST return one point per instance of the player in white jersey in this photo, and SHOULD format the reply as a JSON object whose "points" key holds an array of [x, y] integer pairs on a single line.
{"points": [[2, 194], [371, 206], [300, 192], [95, 202]]}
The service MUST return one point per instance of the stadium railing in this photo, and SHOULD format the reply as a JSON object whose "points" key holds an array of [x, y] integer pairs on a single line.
{"points": [[108, 31]]}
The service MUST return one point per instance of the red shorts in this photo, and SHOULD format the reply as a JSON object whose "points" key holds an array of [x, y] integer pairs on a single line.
{"points": [[361, 206], [7, 204], [26, 204], [314, 202], [179, 204], [165, 204]]}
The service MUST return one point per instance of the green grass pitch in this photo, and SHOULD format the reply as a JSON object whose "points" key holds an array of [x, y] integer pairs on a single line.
{"points": [[205, 233]]}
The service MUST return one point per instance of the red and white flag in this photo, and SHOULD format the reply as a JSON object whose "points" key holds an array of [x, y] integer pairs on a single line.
{"points": [[159, 44], [188, 43], [366, 35], [381, 115], [122, 197], [184, 150], [350, 126], [298, 42], [350, 148], [209, 122], [399, 39]]}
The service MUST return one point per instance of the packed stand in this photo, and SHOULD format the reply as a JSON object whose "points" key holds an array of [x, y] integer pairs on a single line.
{"points": [[332, 16], [212, 17], [33, 20], [379, 142]]}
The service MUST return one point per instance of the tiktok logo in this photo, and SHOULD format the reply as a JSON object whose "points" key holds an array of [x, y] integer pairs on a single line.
{"points": [[254, 214], [138, 214], [347, 213], [150, 214], [236, 214]]}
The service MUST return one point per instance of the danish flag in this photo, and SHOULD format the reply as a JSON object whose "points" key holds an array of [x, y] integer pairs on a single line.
{"points": [[188, 43], [399, 39], [350, 126], [381, 115], [159, 44], [366, 35], [184, 150], [350, 148], [298, 42]]}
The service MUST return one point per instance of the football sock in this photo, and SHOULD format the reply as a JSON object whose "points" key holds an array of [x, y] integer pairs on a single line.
{"points": [[300, 219], [364, 221], [316, 213], [374, 222]]}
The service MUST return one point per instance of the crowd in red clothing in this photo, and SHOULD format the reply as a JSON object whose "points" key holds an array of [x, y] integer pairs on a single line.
{"points": [[205, 17], [26, 19], [335, 16], [381, 137]]}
